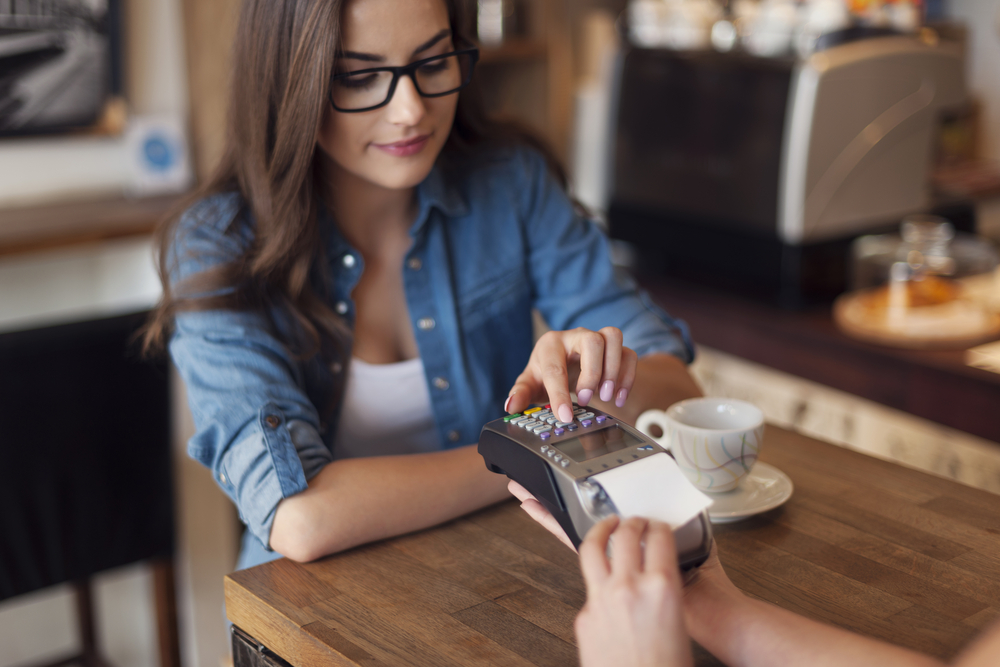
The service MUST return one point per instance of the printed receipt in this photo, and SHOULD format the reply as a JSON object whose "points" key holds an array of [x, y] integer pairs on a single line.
{"points": [[653, 488]]}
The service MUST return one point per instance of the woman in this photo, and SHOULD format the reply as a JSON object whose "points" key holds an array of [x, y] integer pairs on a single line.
{"points": [[350, 298]]}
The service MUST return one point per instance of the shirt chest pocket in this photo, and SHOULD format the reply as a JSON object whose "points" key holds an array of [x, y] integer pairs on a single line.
{"points": [[493, 296]]}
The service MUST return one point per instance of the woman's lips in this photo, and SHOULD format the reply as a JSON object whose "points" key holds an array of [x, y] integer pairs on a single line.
{"points": [[406, 147]]}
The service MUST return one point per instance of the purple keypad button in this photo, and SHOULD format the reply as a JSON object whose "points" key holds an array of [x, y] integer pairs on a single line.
{"points": [[601, 418], [545, 435], [559, 431], [586, 422]]}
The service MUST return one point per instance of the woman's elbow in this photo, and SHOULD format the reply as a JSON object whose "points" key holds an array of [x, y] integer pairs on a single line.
{"points": [[295, 532]]}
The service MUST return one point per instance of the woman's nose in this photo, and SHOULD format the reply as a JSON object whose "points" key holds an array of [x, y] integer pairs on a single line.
{"points": [[406, 106]]}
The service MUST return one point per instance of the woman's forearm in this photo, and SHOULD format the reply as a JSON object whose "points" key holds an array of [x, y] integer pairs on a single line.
{"points": [[744, 632], [355, 501]]}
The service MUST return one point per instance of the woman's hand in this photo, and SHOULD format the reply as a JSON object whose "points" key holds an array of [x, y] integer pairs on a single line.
{"points": [[633, 615], [598, 361]]}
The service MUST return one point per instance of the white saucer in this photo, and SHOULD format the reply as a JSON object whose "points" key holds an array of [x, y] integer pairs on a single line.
{"points": [[763, 489]]}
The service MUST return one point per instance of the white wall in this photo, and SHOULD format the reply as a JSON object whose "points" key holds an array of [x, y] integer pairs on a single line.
{"points": [[982, 17]]}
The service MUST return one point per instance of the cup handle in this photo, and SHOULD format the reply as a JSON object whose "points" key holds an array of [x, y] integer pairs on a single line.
{"points": [[659, 418]]}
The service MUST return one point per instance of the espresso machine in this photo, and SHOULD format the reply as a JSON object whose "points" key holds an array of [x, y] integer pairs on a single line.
{"points": [[755, 174]]}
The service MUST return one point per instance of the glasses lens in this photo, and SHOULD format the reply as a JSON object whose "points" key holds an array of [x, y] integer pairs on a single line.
{"points": [[444, 75], [360, 91]]}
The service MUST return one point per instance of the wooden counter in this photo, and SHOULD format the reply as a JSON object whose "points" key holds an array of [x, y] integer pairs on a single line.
{"points": [[864, 544], [935, 385]]}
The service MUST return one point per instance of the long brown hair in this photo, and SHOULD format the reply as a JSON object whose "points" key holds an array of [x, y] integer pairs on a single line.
{"points": [[283, 58]]}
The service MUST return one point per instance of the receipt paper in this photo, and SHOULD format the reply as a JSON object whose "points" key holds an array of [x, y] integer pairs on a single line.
{"points": [[653, 488]]}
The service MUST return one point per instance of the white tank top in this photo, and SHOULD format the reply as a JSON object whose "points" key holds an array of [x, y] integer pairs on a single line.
{"points": [[386, 411]]}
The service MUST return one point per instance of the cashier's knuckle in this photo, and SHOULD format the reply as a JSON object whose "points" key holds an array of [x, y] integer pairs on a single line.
{"points": [[633, 525], [624, 595]]}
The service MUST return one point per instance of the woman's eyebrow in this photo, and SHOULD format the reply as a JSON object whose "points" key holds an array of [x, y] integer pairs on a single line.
{"points": [[373, 58]]}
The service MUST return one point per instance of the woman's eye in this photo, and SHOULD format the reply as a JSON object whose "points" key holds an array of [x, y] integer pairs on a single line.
{"points": [[435, 67], [359, 82]]}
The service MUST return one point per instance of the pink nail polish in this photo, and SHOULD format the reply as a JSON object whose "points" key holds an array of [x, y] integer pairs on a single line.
{"points": [[565, 413], [507, 403], [607, 390], [622, 396], [583, 396]]}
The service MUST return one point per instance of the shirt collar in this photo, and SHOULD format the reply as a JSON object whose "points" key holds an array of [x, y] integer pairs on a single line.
{"points": [[437, 192]]}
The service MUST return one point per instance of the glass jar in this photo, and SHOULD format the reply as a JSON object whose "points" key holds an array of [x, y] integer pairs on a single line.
{"points": [[926, 286]]}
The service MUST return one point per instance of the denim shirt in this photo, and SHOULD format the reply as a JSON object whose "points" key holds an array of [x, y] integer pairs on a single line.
{"points": [[488, 247]]}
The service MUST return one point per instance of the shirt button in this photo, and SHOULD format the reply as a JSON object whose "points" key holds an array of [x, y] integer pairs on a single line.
{"points": [[222, 478], [414, 263], [453, 436], [342, 307], [426, 323], [273, 421], [336, 367], [350, 261], [441, 383]]}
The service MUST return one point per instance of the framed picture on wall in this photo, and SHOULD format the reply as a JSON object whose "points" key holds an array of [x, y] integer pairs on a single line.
{"points": [[60, 65]]}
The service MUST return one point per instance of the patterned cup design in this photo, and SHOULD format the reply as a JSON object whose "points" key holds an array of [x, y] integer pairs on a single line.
{"points": [[715, 463], [715, 441]]}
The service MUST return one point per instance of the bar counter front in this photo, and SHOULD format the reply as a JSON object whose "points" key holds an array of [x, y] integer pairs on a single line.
{"points": [[863, 544]]}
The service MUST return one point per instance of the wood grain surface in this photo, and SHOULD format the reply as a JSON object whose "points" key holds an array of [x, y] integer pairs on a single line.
{"points": [[864, 544]]}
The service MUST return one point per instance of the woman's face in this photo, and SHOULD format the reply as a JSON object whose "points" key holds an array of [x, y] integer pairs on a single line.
{"points": [[394, 146]]}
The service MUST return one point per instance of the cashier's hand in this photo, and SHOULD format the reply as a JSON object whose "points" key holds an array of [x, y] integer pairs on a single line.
{"points": [[634, 615], [538, 512], [597, 360]]}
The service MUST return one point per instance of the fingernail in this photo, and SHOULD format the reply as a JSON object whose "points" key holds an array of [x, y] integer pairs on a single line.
{"points": [[583, 396], [607, 390], [507, 403], [565, 413], [622, 396]]}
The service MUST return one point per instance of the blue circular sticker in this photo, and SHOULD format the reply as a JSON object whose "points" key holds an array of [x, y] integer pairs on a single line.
{"points": [[158, 152]]}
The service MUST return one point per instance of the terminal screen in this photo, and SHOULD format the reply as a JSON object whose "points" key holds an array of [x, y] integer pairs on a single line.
{"points": [[591, 444]]}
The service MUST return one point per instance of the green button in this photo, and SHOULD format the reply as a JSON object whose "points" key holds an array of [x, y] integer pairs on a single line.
{"points": [[513, 416]]}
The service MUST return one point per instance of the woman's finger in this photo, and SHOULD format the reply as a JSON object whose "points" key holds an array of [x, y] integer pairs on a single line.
{"points": [[626, 375], [612, 362], [626, 546], [661, 553], [593, 561], [589, 347], [549, 359]]}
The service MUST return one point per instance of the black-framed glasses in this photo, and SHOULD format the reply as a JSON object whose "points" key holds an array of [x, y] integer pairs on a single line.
{"points": [[367, 89]]}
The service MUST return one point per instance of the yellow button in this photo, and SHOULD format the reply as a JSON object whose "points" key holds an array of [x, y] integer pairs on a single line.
{"points": [[532, 410]]}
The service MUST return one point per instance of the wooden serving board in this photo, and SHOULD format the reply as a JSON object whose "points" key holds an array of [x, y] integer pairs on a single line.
{"points": [[872, 329]]}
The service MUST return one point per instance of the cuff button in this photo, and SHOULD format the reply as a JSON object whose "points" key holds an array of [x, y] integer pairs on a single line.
{"points": [[272, 421]]}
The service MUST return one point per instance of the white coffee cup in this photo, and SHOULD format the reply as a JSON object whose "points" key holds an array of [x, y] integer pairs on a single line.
{"points": [[714, 440]]}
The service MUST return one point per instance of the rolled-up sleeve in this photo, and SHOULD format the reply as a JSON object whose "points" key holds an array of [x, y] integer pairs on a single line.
{"points": [[254, 426], [575, 282]]}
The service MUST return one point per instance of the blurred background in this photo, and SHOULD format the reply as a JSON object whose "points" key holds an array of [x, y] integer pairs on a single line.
{"points": [[813, 184]]}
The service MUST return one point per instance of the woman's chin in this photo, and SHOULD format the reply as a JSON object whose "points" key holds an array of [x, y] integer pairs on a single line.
{"points": [[400, 176]]}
